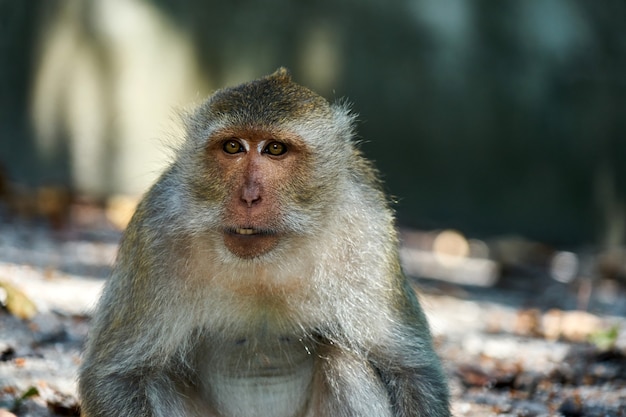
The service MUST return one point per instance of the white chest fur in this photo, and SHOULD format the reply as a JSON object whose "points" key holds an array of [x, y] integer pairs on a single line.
{"points": [[270, 376]]}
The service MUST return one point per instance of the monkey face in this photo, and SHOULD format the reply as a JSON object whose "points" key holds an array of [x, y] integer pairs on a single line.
{"points": [[257, 172], [269, 157]]}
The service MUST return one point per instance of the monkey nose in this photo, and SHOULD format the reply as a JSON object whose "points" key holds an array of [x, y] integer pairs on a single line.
{"points": [[251, 195]]}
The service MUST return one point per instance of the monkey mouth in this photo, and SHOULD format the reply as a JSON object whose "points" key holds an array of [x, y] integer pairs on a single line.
{"points": [[249, 231], [246, 231], [250, 242]]}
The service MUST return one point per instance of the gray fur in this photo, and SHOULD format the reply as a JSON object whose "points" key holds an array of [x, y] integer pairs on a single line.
{"points": [[177, 307]]}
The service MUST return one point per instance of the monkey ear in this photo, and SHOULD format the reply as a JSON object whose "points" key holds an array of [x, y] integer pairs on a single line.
{"points": [[282, 74]]}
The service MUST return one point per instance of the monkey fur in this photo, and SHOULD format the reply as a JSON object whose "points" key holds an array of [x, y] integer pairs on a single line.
{"points": [[259, 277]]}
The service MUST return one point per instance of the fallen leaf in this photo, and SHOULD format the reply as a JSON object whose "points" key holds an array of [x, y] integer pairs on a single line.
{"points": [[17, 303]]}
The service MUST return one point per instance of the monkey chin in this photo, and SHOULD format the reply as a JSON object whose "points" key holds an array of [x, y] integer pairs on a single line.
{"points": [[248, 243]]}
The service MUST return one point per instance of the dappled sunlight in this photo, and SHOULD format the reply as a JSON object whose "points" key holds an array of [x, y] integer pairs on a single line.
{"points": [[449, 256], [564, 266]]}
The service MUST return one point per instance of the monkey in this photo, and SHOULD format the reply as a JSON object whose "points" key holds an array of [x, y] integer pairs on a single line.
{"points": [[260, 277]]}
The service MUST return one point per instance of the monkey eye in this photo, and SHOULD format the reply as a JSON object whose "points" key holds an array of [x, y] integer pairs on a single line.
{"points": [[275, 148], [232, 147]]}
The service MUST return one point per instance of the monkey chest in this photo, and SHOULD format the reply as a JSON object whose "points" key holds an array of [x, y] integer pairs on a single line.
{"points": [[259, 377]]}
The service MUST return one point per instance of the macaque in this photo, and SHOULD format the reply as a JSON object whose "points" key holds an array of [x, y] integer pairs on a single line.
{"points": [[259, 277]]}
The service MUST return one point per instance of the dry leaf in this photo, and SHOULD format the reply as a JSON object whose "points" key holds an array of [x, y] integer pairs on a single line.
{"points": [[16, 302]]}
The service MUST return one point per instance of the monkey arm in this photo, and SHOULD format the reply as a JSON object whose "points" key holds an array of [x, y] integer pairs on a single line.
{"points": [[124, 379], [119, 395], [117, 381], [126, 371], [399, 379], [415, 390], [134, 394], [409, 367], [397, 374], [349, 385]]}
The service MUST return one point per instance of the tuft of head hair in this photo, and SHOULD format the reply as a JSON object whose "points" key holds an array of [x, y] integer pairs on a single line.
{"points": [[270, 100]]}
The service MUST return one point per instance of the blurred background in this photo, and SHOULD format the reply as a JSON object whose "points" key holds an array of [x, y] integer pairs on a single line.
{"points": [[493, 119]]}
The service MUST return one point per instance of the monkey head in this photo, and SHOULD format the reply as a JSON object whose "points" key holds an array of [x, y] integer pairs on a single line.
{"points": [[257, 156]]}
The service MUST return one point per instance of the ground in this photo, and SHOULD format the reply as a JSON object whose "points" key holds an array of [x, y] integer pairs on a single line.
{"points": [[514, 344]]}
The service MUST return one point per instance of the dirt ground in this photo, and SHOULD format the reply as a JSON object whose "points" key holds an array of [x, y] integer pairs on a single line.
{"points": [[516, 346]]}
